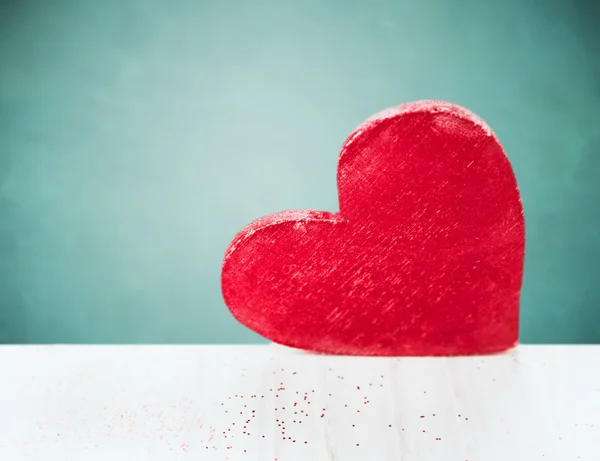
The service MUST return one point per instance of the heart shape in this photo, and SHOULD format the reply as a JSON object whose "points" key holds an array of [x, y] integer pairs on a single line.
{"points": [[425, 256]]}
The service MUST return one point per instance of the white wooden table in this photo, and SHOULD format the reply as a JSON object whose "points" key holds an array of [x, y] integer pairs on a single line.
{"points": [[98, 403]]}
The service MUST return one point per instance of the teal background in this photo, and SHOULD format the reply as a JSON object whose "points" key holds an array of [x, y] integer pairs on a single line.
{"points": [[138, 137]]}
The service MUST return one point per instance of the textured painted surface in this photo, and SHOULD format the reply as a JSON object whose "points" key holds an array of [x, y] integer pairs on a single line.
{"points": [[137, 137], [267, 403], [425, 256]]}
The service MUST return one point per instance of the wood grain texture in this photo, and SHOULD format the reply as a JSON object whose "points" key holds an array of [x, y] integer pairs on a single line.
{"points": [[266, 403]]}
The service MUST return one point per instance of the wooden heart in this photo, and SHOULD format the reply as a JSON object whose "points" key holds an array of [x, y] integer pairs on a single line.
{"points": [[425, 256]]}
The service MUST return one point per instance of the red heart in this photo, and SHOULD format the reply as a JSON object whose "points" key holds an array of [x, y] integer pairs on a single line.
{"points": [[425, 256]]}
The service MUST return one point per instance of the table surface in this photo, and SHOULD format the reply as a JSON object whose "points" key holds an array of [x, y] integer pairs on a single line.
{"points": [[271, 403]]}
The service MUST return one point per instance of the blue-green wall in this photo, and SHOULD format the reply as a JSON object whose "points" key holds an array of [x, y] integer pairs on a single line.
{"points": [[137, 137]]}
